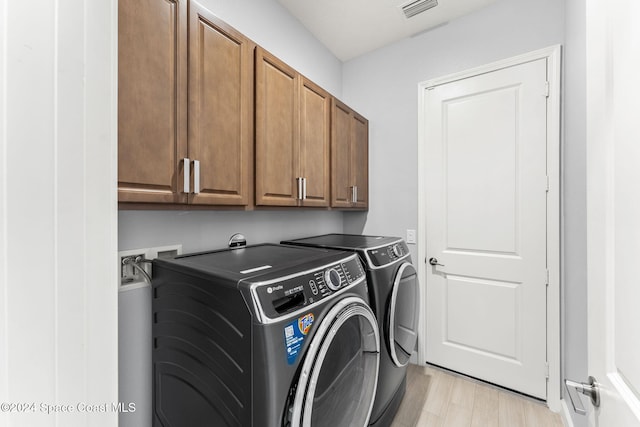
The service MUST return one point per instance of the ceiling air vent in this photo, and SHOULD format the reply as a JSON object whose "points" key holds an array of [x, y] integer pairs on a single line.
{"points": [[416, 7]]}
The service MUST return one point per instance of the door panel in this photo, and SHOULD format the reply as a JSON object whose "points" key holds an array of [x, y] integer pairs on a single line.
{"points": [[220, 102], [277, 122], [494, 306], [315, 140], [349, 158], [613, 209], [340, 156], [152, 100], [486, 222], [472, 184], [360, 160]]}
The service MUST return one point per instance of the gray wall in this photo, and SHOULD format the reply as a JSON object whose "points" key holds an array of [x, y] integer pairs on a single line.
{"points": [[203, 230], [267, 23], [383, 86]]}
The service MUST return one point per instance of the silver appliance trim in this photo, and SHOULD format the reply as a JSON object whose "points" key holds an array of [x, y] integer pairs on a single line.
{"points": [[392, 309], [339, 313]]}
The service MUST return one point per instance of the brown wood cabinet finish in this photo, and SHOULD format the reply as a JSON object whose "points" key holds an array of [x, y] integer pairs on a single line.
{"points": [[309, 151], [220, 110], [315, 143], [360, 160], [349, 158], [152, 100], [166, 116], [293, 136], [277, 127]]}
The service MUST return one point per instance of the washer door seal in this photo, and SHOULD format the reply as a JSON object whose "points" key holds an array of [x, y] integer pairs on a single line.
{"points": [[403, 315], [338, 379]]}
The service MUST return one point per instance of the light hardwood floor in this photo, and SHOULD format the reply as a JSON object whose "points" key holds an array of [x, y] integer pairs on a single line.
{"points": [[436, 398]]}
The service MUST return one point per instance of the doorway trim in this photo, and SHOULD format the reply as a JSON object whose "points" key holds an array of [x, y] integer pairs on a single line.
{"points": [[553, 56]]}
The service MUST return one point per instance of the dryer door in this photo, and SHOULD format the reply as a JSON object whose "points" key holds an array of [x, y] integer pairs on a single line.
{"points": [[403, 314], [338, 378]]}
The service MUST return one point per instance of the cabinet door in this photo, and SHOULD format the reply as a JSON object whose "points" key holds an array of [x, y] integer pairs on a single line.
{"points": [[349, 158], [360, 160], [341, 191], [220, 110], [152, 100], [277, 130], [315, 142]]}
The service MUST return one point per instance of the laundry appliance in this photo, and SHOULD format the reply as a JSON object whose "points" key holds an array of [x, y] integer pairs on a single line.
{"points": [[395, 298], [265, 335]]}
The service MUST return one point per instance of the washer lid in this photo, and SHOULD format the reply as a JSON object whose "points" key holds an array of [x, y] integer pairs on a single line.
{"points": [[240, 263], [346, 241]]}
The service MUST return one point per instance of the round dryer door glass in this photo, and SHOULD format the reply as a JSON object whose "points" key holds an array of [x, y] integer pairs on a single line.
{"points": [[339, 376], [403, 315]]}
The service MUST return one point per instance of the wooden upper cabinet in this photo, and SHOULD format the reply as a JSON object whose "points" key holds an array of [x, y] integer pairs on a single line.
{"points": [[360, 160], [205, 117], [293, 136], [349, 158], [277, 127], [315, 144], [152, 100], [220, 111], [341, 191], [170, 122]]}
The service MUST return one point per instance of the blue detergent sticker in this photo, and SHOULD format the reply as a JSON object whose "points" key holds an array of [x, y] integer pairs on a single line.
{"points": [[294, 335]]}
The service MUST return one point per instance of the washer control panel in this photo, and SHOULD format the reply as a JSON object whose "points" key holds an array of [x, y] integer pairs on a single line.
{"points": [[384, 255], [333, 278], [280, 297]]}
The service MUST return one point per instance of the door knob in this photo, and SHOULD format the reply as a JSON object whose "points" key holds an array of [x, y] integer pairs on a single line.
{"points": [[434, 261], [590, 389]]}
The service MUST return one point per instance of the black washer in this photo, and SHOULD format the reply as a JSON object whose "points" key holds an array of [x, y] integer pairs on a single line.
{"points": [[394, 296], [252, 337]]}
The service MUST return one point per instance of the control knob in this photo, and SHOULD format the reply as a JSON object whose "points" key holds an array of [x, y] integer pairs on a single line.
{"points": [[332, 279], [397, 250]]}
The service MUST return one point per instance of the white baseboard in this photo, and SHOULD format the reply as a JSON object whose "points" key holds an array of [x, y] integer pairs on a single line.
{"points": [[565, 413]]}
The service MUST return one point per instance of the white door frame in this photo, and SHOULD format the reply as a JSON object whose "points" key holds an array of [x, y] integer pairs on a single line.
{"points": [[553, 56]]}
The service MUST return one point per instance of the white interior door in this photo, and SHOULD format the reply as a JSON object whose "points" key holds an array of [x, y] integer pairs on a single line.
{"points": [[613, 209], [486, 195]]}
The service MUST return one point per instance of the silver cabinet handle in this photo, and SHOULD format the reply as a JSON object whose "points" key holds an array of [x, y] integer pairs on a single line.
{"points": [[304, 188], [434, 262], [590, 389], [186, 174], [196, 177], [299, 183], [355, 196]]}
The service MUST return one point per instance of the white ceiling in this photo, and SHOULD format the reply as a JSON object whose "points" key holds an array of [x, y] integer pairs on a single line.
{"points": [[350, 28]]}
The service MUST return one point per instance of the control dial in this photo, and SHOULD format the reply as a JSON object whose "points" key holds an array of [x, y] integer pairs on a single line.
{"points": [[332, 279], [397, 250]]}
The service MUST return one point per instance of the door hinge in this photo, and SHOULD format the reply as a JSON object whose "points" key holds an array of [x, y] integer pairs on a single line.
{"points": [[547, 278], [547, 183], [546, 370], [546, 89]]}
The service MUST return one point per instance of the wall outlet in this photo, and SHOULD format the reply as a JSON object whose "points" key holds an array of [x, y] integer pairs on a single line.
{"points": [[411, 237], [130, 274]]}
